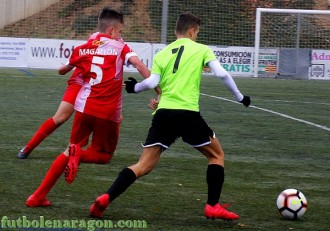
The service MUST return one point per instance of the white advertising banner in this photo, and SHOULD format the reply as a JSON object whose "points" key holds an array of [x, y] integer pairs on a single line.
{"points": [[13, 52], [238, 61], [143, 50], [50, 53], [320, 65], [156, 47]]}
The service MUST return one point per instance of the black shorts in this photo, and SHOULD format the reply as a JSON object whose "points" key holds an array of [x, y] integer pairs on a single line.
{"points": [[170, 124]]}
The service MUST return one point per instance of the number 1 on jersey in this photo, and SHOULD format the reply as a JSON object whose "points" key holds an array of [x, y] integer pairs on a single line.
{"points": [[178, 57]]}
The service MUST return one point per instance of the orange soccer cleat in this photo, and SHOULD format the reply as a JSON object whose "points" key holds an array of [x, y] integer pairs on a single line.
{"points": [[73, 164], [219, 212], [33, 201], [98, 207]]}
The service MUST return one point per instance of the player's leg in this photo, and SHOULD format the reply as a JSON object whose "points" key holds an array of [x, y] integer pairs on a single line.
{"points": [[103, 144], [46, 128], [82, 127], [38, 198], [148, 160], [160, 136], [63, 113], [215, 170], [215, 178], [197, 133], [60, 164]]}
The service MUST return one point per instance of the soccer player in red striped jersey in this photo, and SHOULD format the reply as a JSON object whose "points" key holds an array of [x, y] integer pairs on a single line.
{"points": [[63, 113], [98, 104]]}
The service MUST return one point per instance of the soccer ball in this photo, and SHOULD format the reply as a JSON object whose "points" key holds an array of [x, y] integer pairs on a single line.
{"points": [[291, 204]]}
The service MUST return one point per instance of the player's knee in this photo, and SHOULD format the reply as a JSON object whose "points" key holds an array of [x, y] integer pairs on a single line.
{"points": [[104, 158], [61, 119], [220, 154], [217, 158]]}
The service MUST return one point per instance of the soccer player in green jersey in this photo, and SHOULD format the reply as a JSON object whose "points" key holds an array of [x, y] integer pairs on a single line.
{"points": [[177, 69]]}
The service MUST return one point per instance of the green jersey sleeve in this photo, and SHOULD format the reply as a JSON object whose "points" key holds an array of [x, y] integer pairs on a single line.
{"points": [[209, 56]]}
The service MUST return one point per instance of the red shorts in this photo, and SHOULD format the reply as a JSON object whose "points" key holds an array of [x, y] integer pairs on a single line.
{"points": [[74, 85], [105, 133], [71, 93]]}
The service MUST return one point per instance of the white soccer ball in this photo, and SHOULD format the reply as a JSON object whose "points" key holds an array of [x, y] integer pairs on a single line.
{"points": [[291, 204]]}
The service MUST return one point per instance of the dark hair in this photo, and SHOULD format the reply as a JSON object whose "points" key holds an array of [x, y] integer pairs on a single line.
{"points": [[186, 21], [107, 17]]}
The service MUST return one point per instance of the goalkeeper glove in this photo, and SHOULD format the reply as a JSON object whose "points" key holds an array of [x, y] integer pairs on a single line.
{"points": [[246, 101], [130, 84]]}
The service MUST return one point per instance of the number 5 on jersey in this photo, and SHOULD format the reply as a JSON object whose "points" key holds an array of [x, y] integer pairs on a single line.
{"points": [[97, 70]]}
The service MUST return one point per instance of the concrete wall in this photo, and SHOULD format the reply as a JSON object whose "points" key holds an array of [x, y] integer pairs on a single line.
{"points": [[14, 10]]}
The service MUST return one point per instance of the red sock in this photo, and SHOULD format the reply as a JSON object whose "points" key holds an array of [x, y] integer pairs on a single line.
{"points": [[90, 156], [44, 130], [54, 172]]}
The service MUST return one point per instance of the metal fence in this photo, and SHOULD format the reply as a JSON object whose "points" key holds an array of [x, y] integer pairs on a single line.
{"points": [[225, 22]]}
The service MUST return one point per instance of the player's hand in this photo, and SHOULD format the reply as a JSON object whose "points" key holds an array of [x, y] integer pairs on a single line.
{"points": [[207, 70], [130, 84], [153, 103], [246, 101]]}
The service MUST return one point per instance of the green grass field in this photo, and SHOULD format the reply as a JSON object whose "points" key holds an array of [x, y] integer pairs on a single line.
{"points": [[265, 154]]}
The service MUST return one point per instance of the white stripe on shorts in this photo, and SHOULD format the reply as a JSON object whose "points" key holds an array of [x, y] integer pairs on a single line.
{"points": [[150, 145], [203, 144]]}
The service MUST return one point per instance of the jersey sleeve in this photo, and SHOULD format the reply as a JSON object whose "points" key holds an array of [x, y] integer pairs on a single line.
{"points": [[208, 55], [82, 62], [127, 53], [74, 58], [93, 36]]}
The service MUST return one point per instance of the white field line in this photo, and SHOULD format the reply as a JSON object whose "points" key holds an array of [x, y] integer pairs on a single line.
{"points": [[274, 112], [291, 101]]}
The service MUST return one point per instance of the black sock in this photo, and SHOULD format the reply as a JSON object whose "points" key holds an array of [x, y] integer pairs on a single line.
{"points": [[125, 178], [214, 178]]}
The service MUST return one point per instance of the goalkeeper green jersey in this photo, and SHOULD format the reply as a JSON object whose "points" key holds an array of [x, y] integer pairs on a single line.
{"points": [[180, 67]]}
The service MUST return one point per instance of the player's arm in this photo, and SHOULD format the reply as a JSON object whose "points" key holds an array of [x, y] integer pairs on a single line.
{"points": [[143, 70], [229, 82], [132, 86], [65, 68], [71, 63]]}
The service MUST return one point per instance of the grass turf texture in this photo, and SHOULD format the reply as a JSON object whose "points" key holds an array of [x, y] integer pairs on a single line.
{"points": [[265, 154]]}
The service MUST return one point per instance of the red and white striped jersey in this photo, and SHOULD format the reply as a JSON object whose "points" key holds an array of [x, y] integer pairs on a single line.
{"points": [[76, 77], [100, 61]]}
